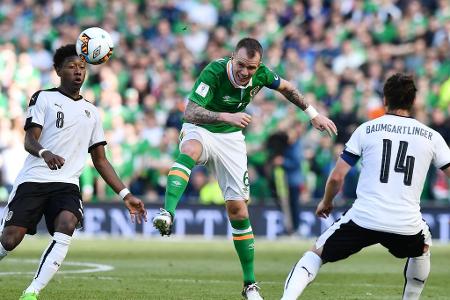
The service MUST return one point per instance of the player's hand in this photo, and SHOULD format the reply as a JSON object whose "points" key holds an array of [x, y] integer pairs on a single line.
{"points": [[323, 123], [324, 209], [239, 119], [53, 161], [136, 208]]}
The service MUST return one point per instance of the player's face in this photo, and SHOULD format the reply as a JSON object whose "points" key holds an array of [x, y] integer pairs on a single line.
{"points": [[73, 71], [243, 66]]}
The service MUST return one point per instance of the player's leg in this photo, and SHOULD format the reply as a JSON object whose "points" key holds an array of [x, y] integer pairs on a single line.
{"points": [[10, 238], [416, 273], [55, 253], [21, 215], [242, 237], [179, 173], [177, 181], [302, 273], [229, 157], [417, 267], [338, 242], [63, 212], [244, 243]]}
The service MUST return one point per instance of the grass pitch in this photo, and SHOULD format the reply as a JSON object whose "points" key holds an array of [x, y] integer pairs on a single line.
{"points": [[193, 268]]}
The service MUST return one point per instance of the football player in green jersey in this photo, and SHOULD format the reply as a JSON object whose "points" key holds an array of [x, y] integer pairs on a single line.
{"points": [[212, 135]]}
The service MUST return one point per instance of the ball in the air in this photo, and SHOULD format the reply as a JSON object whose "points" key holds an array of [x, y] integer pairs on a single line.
{"points": [[94, 45]]}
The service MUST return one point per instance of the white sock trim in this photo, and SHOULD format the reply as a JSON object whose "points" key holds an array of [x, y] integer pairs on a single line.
{"points": [[62, 238], [180, 166], [241, 231]]}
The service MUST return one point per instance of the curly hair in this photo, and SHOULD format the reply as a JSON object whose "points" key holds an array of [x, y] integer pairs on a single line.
{"points": [[62, 53]]}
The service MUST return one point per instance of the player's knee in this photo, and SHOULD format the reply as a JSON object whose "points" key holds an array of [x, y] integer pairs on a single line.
{"points": [[236, 212], [66, 227], [10, 241], [66, 223], [193, 149]]}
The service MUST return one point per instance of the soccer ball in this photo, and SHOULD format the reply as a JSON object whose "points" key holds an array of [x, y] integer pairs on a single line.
{"points": [[94, 45]]}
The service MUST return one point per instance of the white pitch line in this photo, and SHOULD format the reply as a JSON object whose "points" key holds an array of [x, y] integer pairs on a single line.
{"points": [[91, 267]]}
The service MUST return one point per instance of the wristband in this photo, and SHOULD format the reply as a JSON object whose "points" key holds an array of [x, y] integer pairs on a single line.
{"points": [[123, 193], [42, 151], [311, 112]]}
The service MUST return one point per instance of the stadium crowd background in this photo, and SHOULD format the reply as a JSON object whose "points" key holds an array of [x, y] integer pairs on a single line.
{"points": [[338, 53]]}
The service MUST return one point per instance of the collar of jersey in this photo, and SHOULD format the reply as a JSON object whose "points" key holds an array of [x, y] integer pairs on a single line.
{"points": [[68, 96], [231, 77], [392, 114]]}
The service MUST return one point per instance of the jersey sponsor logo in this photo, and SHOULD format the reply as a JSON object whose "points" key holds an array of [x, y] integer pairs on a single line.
{"points": [[88, 113], [202, 89]]}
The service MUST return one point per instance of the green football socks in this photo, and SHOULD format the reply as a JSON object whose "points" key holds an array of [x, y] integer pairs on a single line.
{"points": [[244, 242], [177, 181]]}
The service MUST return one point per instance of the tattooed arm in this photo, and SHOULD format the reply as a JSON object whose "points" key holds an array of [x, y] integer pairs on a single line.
{"points": [[319, 121], [289, 91], [196, 114]]}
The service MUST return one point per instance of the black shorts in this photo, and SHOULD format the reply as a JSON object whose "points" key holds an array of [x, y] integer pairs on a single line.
{"points": [[347, 238], [32, 200]]}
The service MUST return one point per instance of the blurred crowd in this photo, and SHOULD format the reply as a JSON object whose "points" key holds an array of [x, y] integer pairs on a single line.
{"points": [[338, 53]]}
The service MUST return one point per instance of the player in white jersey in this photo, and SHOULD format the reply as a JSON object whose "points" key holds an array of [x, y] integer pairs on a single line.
{"points": [[61, 129], [396, 152]]}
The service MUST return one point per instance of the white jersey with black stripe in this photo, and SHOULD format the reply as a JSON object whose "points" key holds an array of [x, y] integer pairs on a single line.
{"points": [[396, 153], [70, 129]]}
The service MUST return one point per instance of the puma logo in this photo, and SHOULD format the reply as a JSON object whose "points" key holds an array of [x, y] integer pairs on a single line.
{"points": [[59, 105], [421, 281], [309, 273]]}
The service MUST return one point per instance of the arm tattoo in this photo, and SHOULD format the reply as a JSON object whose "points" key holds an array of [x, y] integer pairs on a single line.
{"points": [[294, 96], [196, 114]]}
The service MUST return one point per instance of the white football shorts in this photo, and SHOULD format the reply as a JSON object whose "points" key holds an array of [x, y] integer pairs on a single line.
{"points": [[224, 154]]}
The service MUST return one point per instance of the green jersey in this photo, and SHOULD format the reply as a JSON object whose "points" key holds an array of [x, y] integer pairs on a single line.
{"points": [[216, 90]]}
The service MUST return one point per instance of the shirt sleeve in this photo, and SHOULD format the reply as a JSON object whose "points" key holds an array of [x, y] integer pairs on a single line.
{"points": [[36, 111], [354, 146], [441, 158], [203, 91], [98, 135], [272, 80]]}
